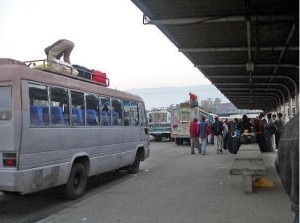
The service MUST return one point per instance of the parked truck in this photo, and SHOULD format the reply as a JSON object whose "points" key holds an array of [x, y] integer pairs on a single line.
{"points": [[159, 123], [182, 115]]}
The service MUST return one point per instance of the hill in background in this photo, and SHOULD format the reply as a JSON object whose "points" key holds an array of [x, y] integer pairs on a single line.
{"points": [[165, 96]]}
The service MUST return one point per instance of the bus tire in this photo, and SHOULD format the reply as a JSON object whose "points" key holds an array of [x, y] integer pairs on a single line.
{"points": [[179, 141], [77, 182], [134, 168], [9, 192], [157, 138]]}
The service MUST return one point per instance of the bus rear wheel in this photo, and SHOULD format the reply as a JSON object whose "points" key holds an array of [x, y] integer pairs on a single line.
{"points": [[157, 138], [77, 182], [179, 141]]}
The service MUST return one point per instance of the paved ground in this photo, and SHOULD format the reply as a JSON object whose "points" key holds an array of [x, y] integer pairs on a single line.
{"points": [[175, 186]]}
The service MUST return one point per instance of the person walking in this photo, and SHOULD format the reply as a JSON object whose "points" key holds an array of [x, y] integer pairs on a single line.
{"points": [[270, 129], [203, 134], [194, 134], [260, 133], [225, 133], [217, 128], [274, 120], [287, 163], [234, 126]]}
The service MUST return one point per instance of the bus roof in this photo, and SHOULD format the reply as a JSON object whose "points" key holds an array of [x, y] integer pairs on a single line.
{"points": [[60, 79]]}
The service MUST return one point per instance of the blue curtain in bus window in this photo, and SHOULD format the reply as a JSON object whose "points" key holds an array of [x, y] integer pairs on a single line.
{"points": [[57, 115], [77, 116], [126, 109], [109, 117], [92, 117], [105, 120], [36, 115], [115, 118]]}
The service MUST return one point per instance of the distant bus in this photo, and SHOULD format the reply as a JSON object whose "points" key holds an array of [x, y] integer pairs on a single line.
{"points": [[182, 115], [211, 117], [240, 116], [159, 123], [57, 130]]}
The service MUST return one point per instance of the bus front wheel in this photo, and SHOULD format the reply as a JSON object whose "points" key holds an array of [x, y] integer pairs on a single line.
{"points": [[134, 168], [77, 182]]}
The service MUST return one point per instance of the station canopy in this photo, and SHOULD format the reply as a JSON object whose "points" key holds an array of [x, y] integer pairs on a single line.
{"points": [[248, 49]]}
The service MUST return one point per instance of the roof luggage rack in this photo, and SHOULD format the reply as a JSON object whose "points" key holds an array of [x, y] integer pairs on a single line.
{"points": [[62, 68]]}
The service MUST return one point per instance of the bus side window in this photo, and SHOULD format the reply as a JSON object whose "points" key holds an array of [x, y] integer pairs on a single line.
{"points": [[116, 112], [38, 97], [105, 109], [134, 114], [142, 115], [126, 109], [77, 103], [59, 110], [92, 109]]}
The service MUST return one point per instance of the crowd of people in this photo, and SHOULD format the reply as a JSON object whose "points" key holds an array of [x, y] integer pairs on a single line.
{"points": [[229, 134], [270, 134]]}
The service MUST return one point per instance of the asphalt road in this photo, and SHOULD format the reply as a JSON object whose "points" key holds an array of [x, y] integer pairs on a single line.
{"points": [[172, 186]]}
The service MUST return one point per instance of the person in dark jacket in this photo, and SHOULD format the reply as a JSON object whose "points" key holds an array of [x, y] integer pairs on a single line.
{"points": [[217, 128], [260, 132], [244, 124], [269, 131], [287, 163]]}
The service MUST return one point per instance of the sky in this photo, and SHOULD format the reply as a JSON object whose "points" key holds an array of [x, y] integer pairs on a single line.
{"points": [[109, 36]]}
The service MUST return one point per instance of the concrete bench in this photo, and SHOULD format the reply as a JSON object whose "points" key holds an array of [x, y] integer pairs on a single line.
{"points": [[248, 169], [248, 155], [249, 163], [249, 147]]}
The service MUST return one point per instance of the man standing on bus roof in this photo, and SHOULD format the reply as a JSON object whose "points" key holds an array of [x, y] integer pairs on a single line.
{"points": [[58, 49], [193, 100]]}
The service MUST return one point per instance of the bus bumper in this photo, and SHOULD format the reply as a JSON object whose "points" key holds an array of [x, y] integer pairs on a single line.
{"points": [[32, 180]]}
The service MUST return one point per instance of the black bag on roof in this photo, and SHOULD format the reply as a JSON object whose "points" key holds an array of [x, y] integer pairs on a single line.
{"points": [[83, 71]]}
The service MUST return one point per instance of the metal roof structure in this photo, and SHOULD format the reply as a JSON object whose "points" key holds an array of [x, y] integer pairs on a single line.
{"points": [[248, 49]]}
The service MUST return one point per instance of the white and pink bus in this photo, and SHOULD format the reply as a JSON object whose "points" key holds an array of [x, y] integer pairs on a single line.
{"points": [[59, 129]]}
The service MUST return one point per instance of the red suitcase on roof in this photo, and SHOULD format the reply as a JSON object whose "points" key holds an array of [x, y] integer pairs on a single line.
{"points": [[99, 77]]}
